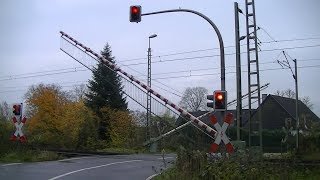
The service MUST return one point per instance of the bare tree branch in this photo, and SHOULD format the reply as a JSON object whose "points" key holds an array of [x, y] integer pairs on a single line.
{"points": [[306, 100], [289, 93], [194, 99]]}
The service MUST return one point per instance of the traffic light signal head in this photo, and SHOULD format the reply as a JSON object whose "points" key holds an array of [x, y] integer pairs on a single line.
{"points": [[135, 14], [220, 100], [17, 110], [210, 104]]}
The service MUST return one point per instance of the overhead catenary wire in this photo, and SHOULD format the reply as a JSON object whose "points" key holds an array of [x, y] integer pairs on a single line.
{"points": [[10, 77], [259, 27], [58, 83], [78, 69], [211, 49], [47, 71], [216, 55], [13, 77], [17, 90], [161, 84], [39, 75], [206, 69], [232, 72], [174, 72]]}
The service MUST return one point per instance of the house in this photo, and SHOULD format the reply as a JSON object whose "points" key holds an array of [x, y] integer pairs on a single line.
{"points": [[276, 112]]}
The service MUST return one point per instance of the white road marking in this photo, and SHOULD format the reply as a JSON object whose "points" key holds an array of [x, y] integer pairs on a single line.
{"points": [[11, 164], [69, 159], [94, 167], [152, 176]]}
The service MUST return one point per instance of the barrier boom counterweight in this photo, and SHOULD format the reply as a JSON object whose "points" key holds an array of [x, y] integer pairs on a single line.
{"points": [[114, 67]]}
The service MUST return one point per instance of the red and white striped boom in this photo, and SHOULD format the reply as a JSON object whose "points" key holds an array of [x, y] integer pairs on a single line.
{"points": [[114, 67]]}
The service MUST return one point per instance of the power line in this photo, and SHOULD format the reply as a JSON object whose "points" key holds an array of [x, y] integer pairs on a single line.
{"points": [[10, 77], [290, 40], [39, 72], [273, 39], [104, 65], [64, 72], [160, 83], [68, 82], [231, 72], [39, 75], [9, 91], [198, 75], [205, 69], [259, 27], [216, 55], [210, 49]]}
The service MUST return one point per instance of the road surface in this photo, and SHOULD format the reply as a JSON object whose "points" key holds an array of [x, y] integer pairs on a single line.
{"points": [[122, 167]]}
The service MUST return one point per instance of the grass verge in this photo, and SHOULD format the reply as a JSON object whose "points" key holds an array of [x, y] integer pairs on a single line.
{"points": [[29, 156]]}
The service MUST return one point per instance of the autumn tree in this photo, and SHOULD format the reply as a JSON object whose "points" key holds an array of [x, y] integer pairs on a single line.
{"points": [[79, 126], [121, 128], [194, 99], [45, 104], [6, 128], [55, 120], [105, 90]]}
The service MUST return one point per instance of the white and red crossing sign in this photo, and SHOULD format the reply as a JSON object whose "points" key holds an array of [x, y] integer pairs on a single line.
{"points": [[18, 123], [18, 131], [221, 133]]}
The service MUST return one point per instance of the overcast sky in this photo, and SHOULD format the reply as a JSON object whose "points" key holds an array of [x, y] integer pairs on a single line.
{"points": [[30, 43]]}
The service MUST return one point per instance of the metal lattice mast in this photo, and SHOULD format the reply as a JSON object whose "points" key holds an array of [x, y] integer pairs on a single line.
{"points": [[255, 124]]}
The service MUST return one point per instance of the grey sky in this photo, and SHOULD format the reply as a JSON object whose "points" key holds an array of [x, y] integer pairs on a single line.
{"points": [[30, 42]]}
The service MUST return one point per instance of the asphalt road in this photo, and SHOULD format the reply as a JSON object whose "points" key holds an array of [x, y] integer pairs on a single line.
{"points": [[122, 167]]}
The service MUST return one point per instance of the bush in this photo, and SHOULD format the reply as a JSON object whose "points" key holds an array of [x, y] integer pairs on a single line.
{"points": [[6, 130], [196, 165]]}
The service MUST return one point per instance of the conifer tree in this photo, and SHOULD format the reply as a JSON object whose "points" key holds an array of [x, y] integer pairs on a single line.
{"points": [[105, 90]]}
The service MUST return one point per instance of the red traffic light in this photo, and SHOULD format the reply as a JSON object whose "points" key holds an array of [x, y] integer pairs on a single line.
{"points": [[16, 110], [220, 100], [135, 13], [219, 96], [134, 10]]}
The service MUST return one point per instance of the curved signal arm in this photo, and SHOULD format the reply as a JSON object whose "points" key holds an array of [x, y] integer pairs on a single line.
{"points": [[222, 58]]}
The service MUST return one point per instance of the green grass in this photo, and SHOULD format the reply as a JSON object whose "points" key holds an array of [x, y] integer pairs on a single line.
{"points": [[168, 174], [252, 173], [120, 150], [315, 156], [28, 156]]}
